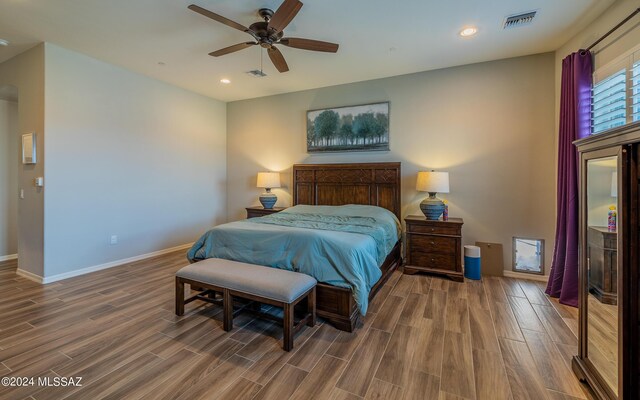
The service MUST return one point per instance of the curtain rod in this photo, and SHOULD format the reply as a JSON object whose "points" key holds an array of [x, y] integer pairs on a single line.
{"points": [[615, 28]]}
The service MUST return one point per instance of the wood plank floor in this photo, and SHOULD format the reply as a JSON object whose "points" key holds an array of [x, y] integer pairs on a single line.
{"points": [[428, 338], [603, 339]]}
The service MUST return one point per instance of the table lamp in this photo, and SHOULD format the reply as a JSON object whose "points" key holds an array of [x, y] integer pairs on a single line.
{"points": [[268, 180], [432, 182]]}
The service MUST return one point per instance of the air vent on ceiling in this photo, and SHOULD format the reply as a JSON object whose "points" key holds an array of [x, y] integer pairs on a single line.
{"points": [[516, 20], [257, 73]]}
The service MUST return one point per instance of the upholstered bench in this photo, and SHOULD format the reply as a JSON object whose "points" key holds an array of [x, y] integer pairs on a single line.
{"points": [[258, 284]]}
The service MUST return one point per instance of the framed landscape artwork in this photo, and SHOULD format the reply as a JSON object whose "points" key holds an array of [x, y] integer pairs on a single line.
{"points": [[353, 128]]}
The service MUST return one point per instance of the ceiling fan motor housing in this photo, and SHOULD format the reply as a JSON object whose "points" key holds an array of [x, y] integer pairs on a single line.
{"points": [[266, 36]]}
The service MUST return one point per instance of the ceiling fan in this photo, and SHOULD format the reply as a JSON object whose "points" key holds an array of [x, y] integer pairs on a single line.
{"points": [[269, 33]]}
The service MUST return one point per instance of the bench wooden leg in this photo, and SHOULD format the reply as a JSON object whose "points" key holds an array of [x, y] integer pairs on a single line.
{"points": [[227, 302], [311, 307], [179, 297], [288, 327]]}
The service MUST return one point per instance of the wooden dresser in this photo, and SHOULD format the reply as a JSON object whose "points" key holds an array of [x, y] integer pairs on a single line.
{"points": [[258, 211], [434, 246], [602, 254]]}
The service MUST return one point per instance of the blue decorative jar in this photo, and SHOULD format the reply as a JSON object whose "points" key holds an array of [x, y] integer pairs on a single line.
{"points": [[268, 199], [432, 207]]}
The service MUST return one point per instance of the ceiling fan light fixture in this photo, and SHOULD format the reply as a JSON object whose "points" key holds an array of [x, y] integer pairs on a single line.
{"points": [[469, 31], [225, 81]]}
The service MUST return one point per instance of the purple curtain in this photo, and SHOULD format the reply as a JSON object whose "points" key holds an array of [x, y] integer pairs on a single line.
{"points": [[575, 121]]}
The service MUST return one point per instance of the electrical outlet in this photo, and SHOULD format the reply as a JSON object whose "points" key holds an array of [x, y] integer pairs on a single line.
{"points": [[114, 239]]}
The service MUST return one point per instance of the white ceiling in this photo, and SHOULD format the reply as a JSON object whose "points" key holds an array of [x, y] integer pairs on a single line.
{"points": [[377, 38]]}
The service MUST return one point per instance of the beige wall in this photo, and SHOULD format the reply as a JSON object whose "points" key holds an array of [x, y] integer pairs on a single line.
{"points": [[599, 199], [9, 149], [26, 72], [491, 125], [127, 155]]}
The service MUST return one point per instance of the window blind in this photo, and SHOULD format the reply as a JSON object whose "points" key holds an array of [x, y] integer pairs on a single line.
{"points": [[635, 92], [609, 101]]}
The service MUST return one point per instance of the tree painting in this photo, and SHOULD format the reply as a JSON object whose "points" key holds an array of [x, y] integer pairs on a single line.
{"points": [[355, 128]]}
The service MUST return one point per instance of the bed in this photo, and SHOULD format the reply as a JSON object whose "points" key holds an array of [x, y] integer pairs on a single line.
{"points": [[351, 250]]}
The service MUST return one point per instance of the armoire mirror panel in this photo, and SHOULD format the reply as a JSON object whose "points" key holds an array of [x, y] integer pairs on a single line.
{"points": [[602, 252], [608, 358]]}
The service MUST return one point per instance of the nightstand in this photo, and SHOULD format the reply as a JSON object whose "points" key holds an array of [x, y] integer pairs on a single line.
{"points": [[259, 211], [434, 246]]}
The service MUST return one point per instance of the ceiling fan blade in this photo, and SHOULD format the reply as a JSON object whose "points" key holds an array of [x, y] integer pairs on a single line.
{"points": [[231, 49], [218, 18], [308, 44], [277, 59], [285, 13]]}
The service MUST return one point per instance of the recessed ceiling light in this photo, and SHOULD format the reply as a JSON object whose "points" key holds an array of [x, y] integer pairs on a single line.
{"points": [[4, 42], [470, 31], [225, 81]]}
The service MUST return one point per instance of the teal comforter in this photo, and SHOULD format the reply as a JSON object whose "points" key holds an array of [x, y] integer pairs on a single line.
{"points": [[339, 245]]}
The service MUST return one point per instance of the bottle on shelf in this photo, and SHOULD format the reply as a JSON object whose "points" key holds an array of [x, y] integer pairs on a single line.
{"points": [[612, 219]]}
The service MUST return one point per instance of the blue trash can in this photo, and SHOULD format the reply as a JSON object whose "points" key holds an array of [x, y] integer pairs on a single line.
{"points": [[472, 268]]}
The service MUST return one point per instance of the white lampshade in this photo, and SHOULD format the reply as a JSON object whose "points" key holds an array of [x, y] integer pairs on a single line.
{"points": [[268, 180], [433, 182], [614, 184]]}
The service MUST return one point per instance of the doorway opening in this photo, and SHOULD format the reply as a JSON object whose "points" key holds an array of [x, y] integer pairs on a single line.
{"points": [[9, 169]]}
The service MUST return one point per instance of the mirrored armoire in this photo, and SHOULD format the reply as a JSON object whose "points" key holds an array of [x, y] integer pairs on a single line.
{"points": [[608, 356]]}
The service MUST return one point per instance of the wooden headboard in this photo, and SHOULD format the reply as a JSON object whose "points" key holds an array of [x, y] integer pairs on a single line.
{"points": [[376, 184]]}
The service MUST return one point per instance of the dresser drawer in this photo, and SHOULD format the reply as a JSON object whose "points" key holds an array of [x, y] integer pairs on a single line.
{"points": [[434, 244], [610, 242], [426, 259], [434, 230]]}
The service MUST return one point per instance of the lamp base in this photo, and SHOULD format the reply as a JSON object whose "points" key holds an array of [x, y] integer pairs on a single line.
{"points": [[268, 199], [432, 207]]}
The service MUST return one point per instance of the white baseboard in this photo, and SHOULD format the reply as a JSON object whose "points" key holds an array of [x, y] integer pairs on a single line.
{"points": [[83, 271], [520, 275], [29, 275], [8, 257]]}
